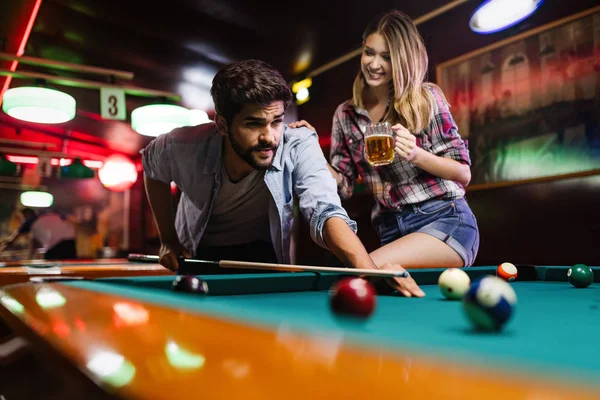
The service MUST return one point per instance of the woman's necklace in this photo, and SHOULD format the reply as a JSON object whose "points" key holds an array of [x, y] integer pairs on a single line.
{"points": [[387, 110]]}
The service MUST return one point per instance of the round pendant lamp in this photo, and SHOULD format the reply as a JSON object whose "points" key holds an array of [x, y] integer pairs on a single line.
{"points": [[39, 104], [497, 15], [157, 119], [198, 117], [36, 198]]}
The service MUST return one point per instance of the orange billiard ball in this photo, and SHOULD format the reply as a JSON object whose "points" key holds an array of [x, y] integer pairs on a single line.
{"points": [[507, 271]]}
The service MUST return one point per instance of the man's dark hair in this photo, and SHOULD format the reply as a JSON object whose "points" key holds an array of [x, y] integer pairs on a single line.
{"points": [[247, 82]]}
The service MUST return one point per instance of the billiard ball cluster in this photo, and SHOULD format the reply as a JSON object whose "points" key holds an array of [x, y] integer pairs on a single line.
{"points": [[487, 303], [454, 283]]}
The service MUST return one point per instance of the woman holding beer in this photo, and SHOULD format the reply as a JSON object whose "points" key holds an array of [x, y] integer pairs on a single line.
{"points": [[420, 213]]}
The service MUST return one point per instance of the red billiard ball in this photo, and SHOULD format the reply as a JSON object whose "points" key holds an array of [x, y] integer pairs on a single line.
{"points": [[190, 284], [353, 296], [507, 271]]}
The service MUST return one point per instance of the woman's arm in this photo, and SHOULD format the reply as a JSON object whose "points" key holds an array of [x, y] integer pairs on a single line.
{"points": [[443, 167]]}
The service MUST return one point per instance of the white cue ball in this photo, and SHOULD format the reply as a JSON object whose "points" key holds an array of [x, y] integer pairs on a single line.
{"points": [[454, 283]]}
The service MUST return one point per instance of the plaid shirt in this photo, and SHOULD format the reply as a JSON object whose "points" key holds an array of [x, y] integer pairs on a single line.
{"points": [[400, 183]]}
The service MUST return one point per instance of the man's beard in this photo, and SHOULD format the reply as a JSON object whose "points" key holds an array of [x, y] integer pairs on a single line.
{"points": [[250, 156]]}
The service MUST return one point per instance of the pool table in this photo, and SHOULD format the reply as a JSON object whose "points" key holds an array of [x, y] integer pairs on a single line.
{"points": [[273, 336], [22, 271], [79, 261]]}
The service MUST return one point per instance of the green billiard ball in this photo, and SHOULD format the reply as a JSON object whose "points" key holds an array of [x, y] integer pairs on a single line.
{"points": [[580, 275]]}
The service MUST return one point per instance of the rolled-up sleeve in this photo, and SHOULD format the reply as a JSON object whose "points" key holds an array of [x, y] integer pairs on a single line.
{"points": [[445, 139], [316, 189], [322, 212], [156, 161]]}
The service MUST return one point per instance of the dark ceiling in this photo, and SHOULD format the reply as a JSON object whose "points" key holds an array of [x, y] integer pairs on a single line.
{"points": [[178, 45]]}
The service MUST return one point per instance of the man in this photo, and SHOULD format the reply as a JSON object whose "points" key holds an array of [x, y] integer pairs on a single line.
{"points": [[49, 231], [238, 177]]}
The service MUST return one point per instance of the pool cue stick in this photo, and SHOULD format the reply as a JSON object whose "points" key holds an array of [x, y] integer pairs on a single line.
{"points": [[306, 268], [281, 267]]}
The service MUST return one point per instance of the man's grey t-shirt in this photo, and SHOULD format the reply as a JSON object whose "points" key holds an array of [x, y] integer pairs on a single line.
{"points": [[240, 213], [191, 157]]}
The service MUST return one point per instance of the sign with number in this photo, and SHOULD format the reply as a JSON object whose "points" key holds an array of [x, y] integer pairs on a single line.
{"points": [[44, 167], [112, 103]]}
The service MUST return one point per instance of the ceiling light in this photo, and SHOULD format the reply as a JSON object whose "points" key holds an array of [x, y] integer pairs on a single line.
{"points": [[497, 15], [156, 119], [39, 104], [301, 90], [36, 198], [303, 84], [302, 94], [198, 117]]}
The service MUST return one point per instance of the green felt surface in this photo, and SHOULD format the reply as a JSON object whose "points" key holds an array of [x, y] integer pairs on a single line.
{"points": [[555, 328]]}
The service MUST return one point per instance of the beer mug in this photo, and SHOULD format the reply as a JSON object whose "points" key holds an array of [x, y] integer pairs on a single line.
{"points": [[379, 144]]}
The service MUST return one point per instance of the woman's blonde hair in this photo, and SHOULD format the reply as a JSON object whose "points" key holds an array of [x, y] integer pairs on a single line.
{"points": [[412, 98]]}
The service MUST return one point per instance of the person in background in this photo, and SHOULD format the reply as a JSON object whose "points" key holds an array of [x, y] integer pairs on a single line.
{"points": [[49, 231], [420, 212]]}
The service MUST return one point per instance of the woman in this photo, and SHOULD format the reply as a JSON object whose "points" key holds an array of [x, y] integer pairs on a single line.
{"points": [[420, 213]]}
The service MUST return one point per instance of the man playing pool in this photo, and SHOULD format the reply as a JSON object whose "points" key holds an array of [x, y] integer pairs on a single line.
{"points": [[238, 176]]}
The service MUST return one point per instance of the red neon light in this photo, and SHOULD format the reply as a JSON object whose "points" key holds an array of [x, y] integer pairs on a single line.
{"points": [[21, 50], [55, 162], [29, 27], [23, 159]]}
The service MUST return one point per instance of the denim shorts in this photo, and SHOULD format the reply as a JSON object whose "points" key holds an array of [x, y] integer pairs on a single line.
{"points": [[451, 221]]}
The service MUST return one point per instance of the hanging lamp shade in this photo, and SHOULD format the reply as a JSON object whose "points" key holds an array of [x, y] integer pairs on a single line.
{"points": [[76, 170], [35, 198], [198, 117], [156, 119], [7, 167], [39, 104], [497, 15]]}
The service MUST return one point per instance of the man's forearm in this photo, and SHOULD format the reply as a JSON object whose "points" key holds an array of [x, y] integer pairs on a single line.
{"points": [[159, 197], [345, 245]]}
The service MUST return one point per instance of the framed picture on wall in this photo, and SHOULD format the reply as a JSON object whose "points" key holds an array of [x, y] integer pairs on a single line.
{"points": [[529, 106]]}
